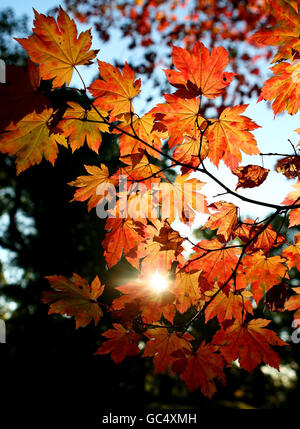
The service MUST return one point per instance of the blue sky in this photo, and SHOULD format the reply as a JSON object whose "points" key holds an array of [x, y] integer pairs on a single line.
{"points": [[272, 137]]}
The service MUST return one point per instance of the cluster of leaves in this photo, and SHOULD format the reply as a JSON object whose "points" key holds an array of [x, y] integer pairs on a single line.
{"points": [[224, 278], [155, 25]]}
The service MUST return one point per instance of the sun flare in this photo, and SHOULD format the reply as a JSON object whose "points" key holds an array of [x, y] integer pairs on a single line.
{"points": [[159, 282]]}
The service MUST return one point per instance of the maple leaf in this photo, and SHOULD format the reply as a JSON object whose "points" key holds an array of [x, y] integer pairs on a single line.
{"points": [[250, 343], [115, 90], [95, 186], [188, 151], [124, 236], [284, 34], [21, 89], [227, 307], [139, 204], [283, 89], [250, 176], [292, 304], [75, 298], [266, 239], [292, 253], [121, 342], [162, 344], [187, 291], [163, 246], [289, 166], [216, 262], [292, 198], [177, 111], [142, 127], [229, 135], [56, 47], [80, 125], [31, 139], [182, 198], [202, 368], [225, 219], [199, 71], [140, 169], [263, 272]]}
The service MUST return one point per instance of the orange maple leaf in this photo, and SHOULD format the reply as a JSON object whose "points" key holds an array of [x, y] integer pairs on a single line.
{"points": [[56, 47], [292, 198], [75, 298], [31, 139], [162, 344], [95, 187], [283, 89], [139, 169], [115, 90], [187, 291], [229, 135], [284, 34], [250, 343], [225, 219], [80, 125], [199, 71], [142, 128], [292, 253], [227, 307], [216, 262], [263, 272], [177, 111], [124, 236], [188, 151], [201, 368], [181, 198], [121, 342], [293, 303], [162, 247], [267, 238]]}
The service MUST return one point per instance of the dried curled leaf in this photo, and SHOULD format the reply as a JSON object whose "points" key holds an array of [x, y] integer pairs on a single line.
{"points": [[289, 166], [250, 176]]}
